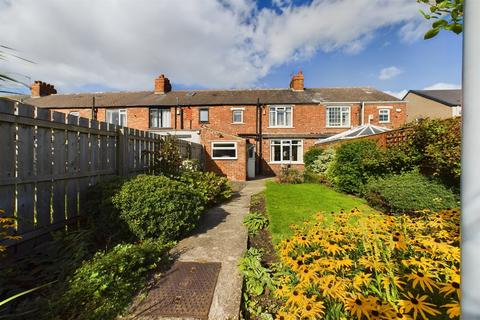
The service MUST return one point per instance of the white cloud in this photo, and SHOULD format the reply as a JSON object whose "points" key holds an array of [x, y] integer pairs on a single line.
{"points": [[389, 72], [443, 85], [398, 94], [124, 45]]}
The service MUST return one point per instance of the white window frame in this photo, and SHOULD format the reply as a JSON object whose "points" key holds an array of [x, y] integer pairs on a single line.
{"points": [[74, 113], [241, 116], [380, 110], [160, 118], [224, 148], [120, 111], [272, 122], [200, 114], [282, 143], [346, 125]]}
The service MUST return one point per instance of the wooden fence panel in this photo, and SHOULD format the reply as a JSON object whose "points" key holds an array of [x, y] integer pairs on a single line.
{"points": [[59, 168], [7, 158], [43, 159], [25, 171], [84, 165], [103, 148], [94, 140], [72, 168]]}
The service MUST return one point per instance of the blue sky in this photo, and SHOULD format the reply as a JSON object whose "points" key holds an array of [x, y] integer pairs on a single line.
{"points": [[123, 45]]}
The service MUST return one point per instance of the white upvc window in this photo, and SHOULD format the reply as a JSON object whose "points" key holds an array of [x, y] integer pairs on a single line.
{"points": [[237, 116], [203, 115], [338, 116], [384, 115], [224, 150], [74, 113], [286, 151], [160, 118], [281, 116], [117, 116]]}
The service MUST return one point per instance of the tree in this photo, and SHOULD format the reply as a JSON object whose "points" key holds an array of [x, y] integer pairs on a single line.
{"points": [[5, 79], [447, 15]]}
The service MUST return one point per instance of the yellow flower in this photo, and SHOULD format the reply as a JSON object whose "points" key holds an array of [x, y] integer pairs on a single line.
{"points": [[358, 305], [451, 287], [453, 310], [418, 305], [361, 278], [422, 278]]}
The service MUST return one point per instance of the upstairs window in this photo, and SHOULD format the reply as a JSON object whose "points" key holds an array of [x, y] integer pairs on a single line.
{"points": [[224, 150], [338, 116], [160, 118], [280, 116], [237, 116], [117, 116], [203, 115], [384, 115]]}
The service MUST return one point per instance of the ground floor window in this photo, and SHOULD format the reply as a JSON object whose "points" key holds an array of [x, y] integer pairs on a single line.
{"points": [[286, 151], [224, 150], [117, 116]]}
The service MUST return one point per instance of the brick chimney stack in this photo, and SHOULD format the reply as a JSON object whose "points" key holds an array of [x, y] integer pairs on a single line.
{"points": [[162, 85], [296, 84], [41, 89]]}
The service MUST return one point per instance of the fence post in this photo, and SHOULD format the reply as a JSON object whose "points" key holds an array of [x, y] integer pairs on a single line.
{"points": [[122, 163]]}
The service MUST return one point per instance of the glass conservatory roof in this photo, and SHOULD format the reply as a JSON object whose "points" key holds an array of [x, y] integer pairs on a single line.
{"points": [[357, 132]]}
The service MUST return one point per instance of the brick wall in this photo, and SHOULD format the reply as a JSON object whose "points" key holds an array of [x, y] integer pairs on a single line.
{"points": [[234, 169]]}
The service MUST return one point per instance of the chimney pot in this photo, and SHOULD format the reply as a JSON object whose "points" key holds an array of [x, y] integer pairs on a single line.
{"points": [[41, 89]]}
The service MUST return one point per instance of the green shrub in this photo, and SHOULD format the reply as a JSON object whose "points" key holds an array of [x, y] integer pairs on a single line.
{"points": [[255, 222], [257, 278], [213, 188], [354, 163], [290, 175], [409, 192], [323, 161], [104, 286], [103, 216], [311, 155], [159, 207]]}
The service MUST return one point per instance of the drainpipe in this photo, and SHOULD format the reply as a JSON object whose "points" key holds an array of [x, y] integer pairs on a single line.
{"points": [[260, 138], [362, 114]]}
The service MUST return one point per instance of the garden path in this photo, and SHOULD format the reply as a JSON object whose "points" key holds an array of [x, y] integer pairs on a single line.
{"points": [[221, 237]]}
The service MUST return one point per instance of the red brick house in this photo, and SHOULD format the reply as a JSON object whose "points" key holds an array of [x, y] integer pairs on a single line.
{"points": [[245, 132]]}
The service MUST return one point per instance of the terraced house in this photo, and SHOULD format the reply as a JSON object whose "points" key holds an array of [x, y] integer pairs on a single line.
{"points": [[244, 132]]}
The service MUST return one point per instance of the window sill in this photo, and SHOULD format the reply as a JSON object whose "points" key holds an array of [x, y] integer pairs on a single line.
{"points": [[338, 127], [280, 127], [384, 122], [160, 128], [282, 162], [224, 158], [238, 123]]}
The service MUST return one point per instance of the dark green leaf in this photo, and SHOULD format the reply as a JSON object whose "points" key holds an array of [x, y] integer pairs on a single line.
{"points": [[431, 33]]}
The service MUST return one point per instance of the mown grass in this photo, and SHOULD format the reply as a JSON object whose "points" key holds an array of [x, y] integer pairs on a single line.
{"points": [[289, 204]]}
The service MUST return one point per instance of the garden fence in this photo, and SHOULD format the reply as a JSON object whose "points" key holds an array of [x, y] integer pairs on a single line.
{"points": [[48, 160]]}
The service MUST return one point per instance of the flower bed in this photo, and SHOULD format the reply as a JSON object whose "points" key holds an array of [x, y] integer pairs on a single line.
{"points": [[353, 265]]}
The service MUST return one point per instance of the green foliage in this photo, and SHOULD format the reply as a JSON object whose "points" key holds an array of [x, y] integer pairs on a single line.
{"points": [[355, 162], [255, 222], [446, 14], [159, 207], [290, 175], [409, 192], [257, 278], [213, 188], [167, 160], [311, 155], [103, 216], [435, 146], [103, 286], [323, 161]]}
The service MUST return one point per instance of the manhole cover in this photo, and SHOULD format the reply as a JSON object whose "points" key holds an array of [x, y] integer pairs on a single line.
{"points": [[184, 291]]}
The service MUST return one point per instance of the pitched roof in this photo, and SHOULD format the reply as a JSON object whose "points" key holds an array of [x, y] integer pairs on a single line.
{"points": [[450, 97], [208, 97], [356, 132]]}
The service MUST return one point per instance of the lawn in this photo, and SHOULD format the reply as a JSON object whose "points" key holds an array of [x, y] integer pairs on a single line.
{"points": [[294, 203]]}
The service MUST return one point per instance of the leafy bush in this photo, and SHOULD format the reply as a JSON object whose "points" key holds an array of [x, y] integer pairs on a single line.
{"points": [[104, 218], [167, 160], [409, 192], [255, 222], [257, 278], [354, 163], [212, 187], [358, 265], [323, 161], [156, 206], [290, 175], [103, 286], [311, 155], [435, 146]]}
